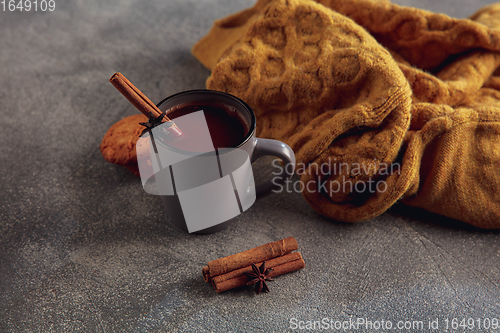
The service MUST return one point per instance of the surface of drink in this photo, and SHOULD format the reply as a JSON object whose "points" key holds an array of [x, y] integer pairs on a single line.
{"points": [[226, 127]]}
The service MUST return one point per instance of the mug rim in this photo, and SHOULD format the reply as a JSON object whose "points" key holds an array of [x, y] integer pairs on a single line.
{"points": [[251, 129]]}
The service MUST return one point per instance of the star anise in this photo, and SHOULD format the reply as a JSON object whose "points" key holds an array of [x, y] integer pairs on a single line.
{"points": [[153, 122], [259, 276]]}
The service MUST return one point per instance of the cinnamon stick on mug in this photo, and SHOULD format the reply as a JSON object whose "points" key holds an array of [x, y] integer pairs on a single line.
{"points": [[139, 100]]}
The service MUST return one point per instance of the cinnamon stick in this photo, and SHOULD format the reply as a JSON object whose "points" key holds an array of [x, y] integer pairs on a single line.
{"points": [[248, 269], [246, 258], [242, 280], [138, 99], [234, 278]]}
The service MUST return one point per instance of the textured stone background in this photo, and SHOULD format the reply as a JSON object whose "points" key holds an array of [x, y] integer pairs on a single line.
{"points": [[84, 248]]}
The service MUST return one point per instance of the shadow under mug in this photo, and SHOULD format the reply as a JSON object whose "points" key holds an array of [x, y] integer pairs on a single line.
{"points": [[219, 182]]}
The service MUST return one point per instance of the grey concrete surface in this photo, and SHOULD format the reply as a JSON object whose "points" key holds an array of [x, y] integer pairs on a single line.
{"points": [[84, 249]]}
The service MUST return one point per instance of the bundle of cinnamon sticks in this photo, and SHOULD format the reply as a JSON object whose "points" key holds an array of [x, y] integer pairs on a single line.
{"points": [[229, 272]]}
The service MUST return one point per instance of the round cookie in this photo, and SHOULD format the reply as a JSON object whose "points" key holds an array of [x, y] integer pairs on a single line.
{"points": [[118, 144]]}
